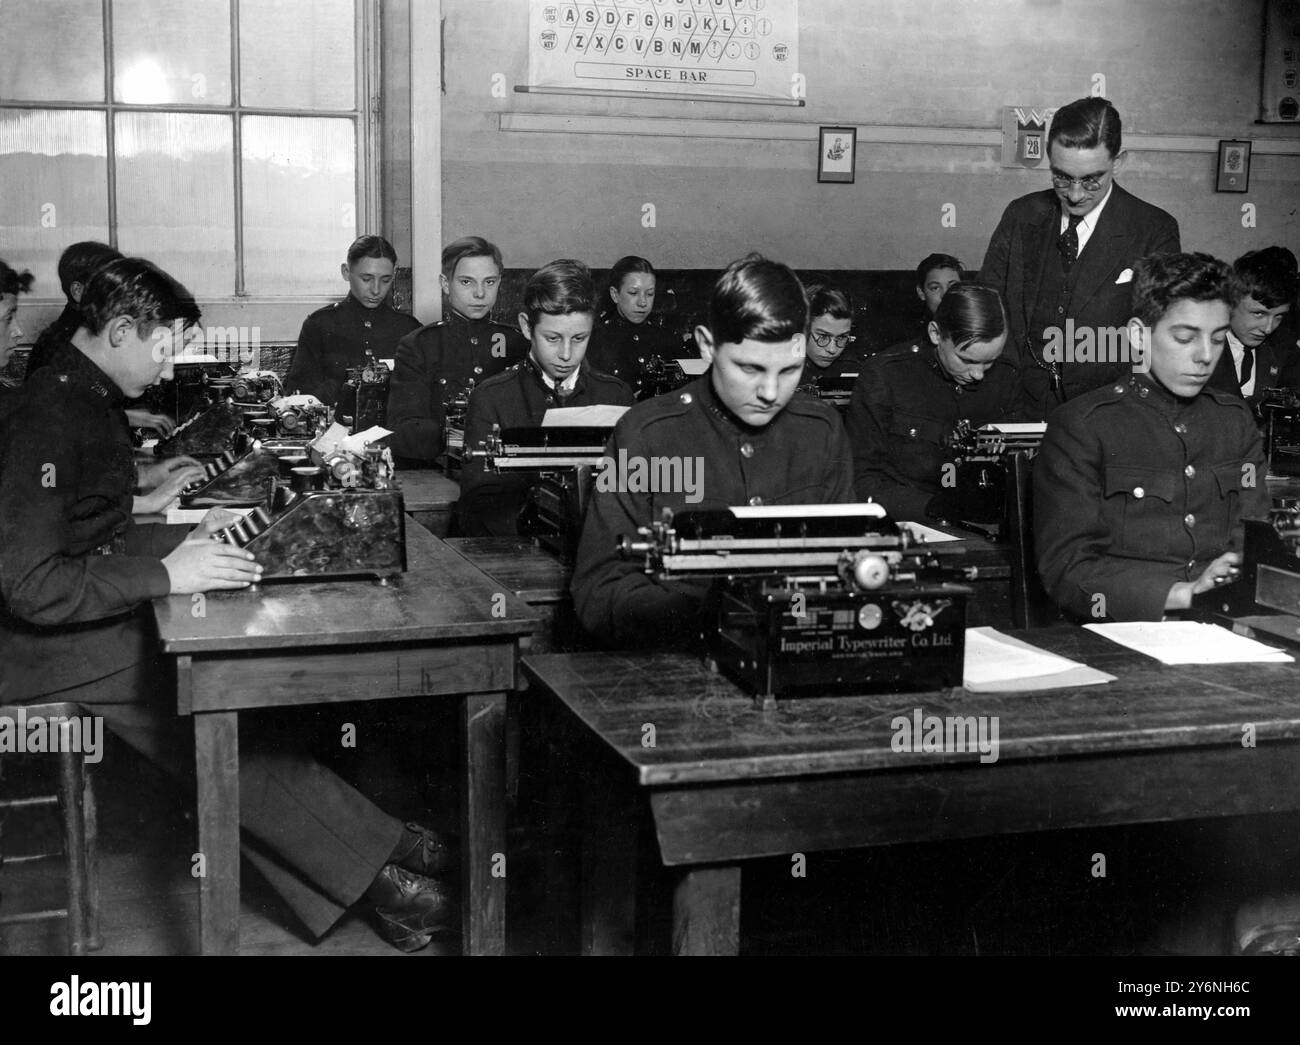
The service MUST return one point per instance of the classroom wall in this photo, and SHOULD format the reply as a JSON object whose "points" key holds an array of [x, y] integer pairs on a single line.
{"points": [[1173, 67]]}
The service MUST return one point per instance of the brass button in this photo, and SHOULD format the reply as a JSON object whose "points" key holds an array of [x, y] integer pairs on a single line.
{"points": [[1190, 472], [746, 449], [1189, 520], [1119, 389], [478, 370], [686, 397], [912, 432], [366, 324], [1138, 492], [473, 341], [756, 502], [1143, 392], [1180, 428]]}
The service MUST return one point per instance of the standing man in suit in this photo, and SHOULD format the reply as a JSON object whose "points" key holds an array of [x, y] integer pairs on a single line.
{"points": [[1263, 348], [1063, 259]]}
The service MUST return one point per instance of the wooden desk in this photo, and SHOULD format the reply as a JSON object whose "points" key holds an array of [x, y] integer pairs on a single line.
{"points": [[725, 782], [430, 498], [442, 629]]}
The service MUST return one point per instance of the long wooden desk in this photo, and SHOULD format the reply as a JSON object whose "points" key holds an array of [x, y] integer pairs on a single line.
{"points": [[430, 498], [725, 782], [443, 629]]}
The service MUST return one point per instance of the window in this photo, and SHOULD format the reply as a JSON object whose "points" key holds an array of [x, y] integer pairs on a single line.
{"points": [[227, 140]]}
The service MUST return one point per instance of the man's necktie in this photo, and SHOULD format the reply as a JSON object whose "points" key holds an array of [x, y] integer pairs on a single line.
{"points": [[1247, 365], [1068, 242]]}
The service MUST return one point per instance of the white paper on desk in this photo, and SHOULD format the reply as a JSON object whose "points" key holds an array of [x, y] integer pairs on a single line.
{"points": [[928, 534], [1017, 427], [190, 516], [1189, 642], [999, 663], [693, 367], [599, 415]]}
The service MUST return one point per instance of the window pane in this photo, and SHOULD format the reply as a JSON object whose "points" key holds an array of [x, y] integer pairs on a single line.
{"points": [[55, 178], [176, 197], [297, 54], [299, 203], [171, 52], [52, 51]]}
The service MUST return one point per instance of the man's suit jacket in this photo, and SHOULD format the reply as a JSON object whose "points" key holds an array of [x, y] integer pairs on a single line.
{"points": [[1277, 365], [1025, 242]]}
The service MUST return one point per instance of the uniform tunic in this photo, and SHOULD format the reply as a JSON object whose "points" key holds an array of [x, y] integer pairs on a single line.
{"points": [[1136, 489], [489, 502], [903, 409], [435, 363], [623, 348], [336, 337], [842, 371], [52, 337], [801, 457]]}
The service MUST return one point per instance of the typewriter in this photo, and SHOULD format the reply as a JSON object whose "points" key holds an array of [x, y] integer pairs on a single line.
{"points": [[195, 387], [816, 599], [339, 515], [983, 460], [455, 407], [836, 389], [241, 479], [302, 416], [560, 463], [209, 432], [658, 377], [1279, 416], [364, 395], [1264, 601], [255, 386]]}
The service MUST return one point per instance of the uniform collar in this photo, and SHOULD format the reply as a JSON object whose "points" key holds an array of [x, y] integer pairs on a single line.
{"points": [[71, 361], [453, 318], [570, 383], [1153, 392], [718, 411]]}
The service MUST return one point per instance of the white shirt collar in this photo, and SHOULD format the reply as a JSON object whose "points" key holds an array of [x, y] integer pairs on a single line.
{"points": [[1089, 221], [567, 385]]}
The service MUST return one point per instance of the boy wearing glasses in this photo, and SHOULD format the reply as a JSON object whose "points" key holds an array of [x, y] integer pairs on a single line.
{"points": [[832, 362], [1063, 259]]}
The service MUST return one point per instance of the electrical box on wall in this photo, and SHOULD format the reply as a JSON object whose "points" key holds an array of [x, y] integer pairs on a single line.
{"points": [[1024, 136], [1279, 90]]}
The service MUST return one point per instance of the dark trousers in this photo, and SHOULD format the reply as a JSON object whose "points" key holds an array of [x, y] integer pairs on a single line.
{"points": [[316, 839]]}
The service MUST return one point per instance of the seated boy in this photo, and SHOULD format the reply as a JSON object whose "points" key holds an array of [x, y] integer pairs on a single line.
{"points": [[739, 433], [1140, 487], [1262, 348], [441, 359], [559, 310], [76, 578], [832, 363], [76, 265]]}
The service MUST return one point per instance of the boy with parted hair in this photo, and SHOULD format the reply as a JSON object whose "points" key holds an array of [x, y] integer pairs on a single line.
{"points": [[559, 312], [1140, 488], [441, 359], [1263, 341]]}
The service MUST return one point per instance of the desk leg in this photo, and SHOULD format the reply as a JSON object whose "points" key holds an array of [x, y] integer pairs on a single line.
{"points": [[610, 837], [216, 760], [706, 911], [483, 823]]}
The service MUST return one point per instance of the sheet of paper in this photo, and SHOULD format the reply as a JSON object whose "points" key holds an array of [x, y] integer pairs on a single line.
{"points": [[601, 415], [356, 444], [1189, 642], [807, 511], [191, 516], [928, 534], [330, 438], [390, 363], [1017, 427], [693, 367], [999, 663]]}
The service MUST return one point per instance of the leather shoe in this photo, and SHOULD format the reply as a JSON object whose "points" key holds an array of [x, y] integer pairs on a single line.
{"points": [[428, 853], [410, 908]]}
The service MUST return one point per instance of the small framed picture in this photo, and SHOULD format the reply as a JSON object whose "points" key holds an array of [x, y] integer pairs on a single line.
{"points": [[1234, 167], [837, 155]]}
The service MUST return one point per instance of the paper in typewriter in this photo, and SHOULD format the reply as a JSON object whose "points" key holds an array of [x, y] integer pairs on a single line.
{"points": [[1017, 427], [693, 367], [599, 415], [1189, 642], [998, 663]]}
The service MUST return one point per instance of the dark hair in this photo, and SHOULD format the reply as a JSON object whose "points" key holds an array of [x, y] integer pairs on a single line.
{"points": [[936, 261], [971, 312], [1085, 124], [13, 282], [1268, 275], [625, 267], [371, 247], [138, 289], [468, 247], [824, 299], [559, 289], [757, 299], [1159, 280], [79, 262]]}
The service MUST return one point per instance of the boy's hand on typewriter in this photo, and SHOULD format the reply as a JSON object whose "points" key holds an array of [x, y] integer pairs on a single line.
{"points": [[198, 564], [157, 499], [154, 475], [214, 522], [160, 423]]}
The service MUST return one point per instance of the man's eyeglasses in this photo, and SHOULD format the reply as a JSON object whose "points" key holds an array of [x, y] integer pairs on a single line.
{"points": [[823, 339], [1089, 184]]}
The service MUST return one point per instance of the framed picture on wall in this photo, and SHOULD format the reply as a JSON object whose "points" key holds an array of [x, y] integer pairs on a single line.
{"points": [[837, 153], [1234, 166]]}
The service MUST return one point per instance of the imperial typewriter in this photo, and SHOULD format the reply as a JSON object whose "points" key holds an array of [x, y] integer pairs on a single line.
{"points": [[209, 432], [363, 399], [1264, 600], [338, 515], [1279, 415], [560, 464], [980, 475], [816, 598]]}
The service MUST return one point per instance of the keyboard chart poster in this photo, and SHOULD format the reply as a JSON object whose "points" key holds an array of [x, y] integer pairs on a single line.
{"points": [[732, 49]]}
